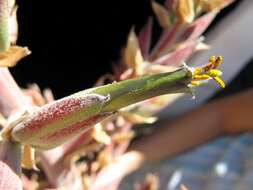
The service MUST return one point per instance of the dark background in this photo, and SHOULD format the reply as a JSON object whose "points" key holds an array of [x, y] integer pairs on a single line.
{"points": [[75, 42]]}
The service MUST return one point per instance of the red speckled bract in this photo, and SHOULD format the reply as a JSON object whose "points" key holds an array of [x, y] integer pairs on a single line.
{"points": [[67, 132], [60, 117]]}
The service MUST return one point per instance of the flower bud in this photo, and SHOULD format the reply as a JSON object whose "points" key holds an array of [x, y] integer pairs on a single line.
{"points": [[57, 122]]}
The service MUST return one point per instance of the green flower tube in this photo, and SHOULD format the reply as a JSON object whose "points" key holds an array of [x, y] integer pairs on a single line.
{"points": [[55, 123]]}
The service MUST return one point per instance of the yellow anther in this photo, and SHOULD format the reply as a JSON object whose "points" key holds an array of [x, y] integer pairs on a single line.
{"points": [[198, 71], [219, 81], [214, 73], [212, 59], [218, 61], [200, 77], [208, 71]]}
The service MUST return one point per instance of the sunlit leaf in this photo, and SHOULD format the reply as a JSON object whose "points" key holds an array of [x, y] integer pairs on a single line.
{"points": [[156, 68], [199, 26], [10, 57], [165, 42], [123, 136], [28, 157], [144, 38], [162, 14], [137, 118], [178, 56], [209, 5], [13, 23], [3, 121], [185, 11], [132, 54], [100, 135]]}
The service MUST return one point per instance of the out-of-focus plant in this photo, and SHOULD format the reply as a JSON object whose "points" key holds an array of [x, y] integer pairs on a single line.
{"points": [[78, 138]]}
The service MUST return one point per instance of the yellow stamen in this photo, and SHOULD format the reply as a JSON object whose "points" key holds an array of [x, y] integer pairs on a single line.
{"points": [[218, 61], [212, 64], [197, 71], [219, 81], [214, 73], [208, 71], [200, 77], [212, 59]]}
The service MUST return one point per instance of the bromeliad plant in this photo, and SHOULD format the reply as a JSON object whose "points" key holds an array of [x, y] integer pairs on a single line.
{"points": [[89, 130]]}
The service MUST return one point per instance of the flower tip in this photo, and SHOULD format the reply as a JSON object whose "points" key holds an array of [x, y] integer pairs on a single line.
{"points": [[208, 71], [219, 60], [219, 81]]}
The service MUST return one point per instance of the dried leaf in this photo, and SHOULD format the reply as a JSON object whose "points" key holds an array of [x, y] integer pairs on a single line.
{"points": [[155, 69], [34, 95], [118, 69], [151, 182], [156, 104], [106, 178], [100, 135], [77, 143], [179, 55], [28, 158], [3, 121], [165, 42], [104, 158], [86, 181], [162, 15], [128, 74], [122, 137], [199, 26], [207, 5], [30, 184], [202, 46], [48, 95], [10, 57], [135, 118], [102, 80], [132, 57], [144, 38], [171, 4], [13, 24], [185, 11]]}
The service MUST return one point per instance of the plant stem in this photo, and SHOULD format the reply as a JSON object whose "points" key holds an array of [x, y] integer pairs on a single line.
{"points": [[133, 91]]}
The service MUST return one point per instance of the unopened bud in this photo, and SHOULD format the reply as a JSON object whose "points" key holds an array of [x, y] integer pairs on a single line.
{"points": [[57, 122]]}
